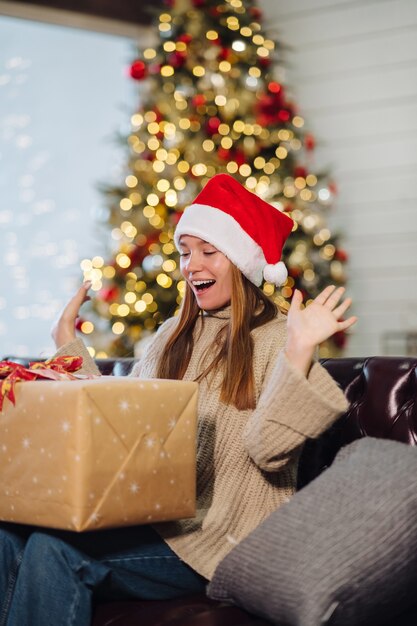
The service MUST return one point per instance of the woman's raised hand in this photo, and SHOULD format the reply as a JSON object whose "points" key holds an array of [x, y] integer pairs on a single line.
{"points": [[310, 326], [63, 330]]}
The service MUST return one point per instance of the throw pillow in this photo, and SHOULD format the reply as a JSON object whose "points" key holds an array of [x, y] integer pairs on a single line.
{"points": [[343, 551]]}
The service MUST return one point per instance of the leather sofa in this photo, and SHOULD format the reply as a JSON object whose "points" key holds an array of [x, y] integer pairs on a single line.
{"points": [[382, 392]]}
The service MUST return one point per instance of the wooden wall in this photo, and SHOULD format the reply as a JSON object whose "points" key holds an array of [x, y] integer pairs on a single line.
{"points": [[353, 68]]}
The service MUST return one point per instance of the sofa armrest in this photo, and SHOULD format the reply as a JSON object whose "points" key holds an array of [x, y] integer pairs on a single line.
{"points": [[382, 395]]}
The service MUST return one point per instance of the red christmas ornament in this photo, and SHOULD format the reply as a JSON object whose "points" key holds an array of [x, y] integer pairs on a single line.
{"points": [[263, 120], [264, 62], [224, 154], [154, 238], [300, 171], [225, 54], [185, 38], [240, 157], [236, 155], [215, 11], [284, 115], [138, 70], [198, 3], [78, 323], [340, 339], [256, 13], [341, 255], [309, 142], [175, 217], [109, 294], [177, 59], [199, 100], [274, 87], [158, 114], [212, 125], [137, 255], [270, 106], [216, 42]]}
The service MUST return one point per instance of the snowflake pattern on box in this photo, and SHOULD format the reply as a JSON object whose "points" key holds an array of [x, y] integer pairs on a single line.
{"points": [[98, 453]]}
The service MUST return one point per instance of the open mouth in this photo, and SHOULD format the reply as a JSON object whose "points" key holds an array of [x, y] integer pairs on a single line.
{"points": [[203, 285]]}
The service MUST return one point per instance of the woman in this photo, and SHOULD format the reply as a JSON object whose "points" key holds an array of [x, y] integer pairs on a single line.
{"points": [[260, 397]]}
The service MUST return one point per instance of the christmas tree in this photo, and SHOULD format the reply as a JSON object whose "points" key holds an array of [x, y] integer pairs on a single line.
{"points": [[216, 101]]}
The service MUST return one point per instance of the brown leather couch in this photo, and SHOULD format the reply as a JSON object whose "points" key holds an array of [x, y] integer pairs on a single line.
{"points": [[382, 392]]}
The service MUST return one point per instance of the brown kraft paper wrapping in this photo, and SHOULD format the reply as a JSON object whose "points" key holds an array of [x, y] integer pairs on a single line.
{"points": [[106, 452]]}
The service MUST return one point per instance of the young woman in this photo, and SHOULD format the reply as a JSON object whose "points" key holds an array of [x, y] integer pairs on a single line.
{"points": [[261, 395]]}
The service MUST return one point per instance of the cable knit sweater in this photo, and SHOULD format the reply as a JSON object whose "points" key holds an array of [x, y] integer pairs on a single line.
{"points": [[246, 460]]}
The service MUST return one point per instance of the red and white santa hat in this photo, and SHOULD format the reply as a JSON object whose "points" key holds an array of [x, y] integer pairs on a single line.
{"points": [[248, 230]]}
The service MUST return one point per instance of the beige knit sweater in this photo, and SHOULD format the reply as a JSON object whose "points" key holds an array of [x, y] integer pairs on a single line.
{"points": [[246, 460]]}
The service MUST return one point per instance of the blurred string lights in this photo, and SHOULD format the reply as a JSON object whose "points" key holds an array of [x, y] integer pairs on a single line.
{"points": [[216, 101]]}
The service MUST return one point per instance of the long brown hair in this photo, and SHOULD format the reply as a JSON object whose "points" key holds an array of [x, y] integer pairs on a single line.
{"points": [[250, 308]]}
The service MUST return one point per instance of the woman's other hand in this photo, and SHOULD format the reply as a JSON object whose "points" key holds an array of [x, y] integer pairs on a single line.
{"points": [[63, 330], [310, 326]]}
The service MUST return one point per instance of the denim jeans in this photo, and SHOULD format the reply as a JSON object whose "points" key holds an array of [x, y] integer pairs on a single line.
{"points": [[54, 577]]}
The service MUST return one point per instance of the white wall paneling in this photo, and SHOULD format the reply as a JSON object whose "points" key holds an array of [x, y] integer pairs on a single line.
{"points": [[352, 66]]}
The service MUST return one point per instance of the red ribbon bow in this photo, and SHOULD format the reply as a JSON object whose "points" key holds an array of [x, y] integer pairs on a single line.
{"points": [[59, 368]]}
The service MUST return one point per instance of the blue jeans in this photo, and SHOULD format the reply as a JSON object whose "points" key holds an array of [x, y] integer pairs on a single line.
{"points": [[54, 577]]}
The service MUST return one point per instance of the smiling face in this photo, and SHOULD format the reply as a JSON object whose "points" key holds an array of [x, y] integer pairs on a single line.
{"points": [[208, 272]]}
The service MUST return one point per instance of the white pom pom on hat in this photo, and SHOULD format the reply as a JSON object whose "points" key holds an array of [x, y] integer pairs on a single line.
{"points": [[276, 274], [248, 230]]}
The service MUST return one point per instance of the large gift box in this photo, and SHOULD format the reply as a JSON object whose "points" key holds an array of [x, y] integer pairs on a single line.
{"points": [[89, 454]]}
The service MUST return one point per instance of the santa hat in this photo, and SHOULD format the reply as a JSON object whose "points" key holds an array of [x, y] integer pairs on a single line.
{"points": [[248, 230]]}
